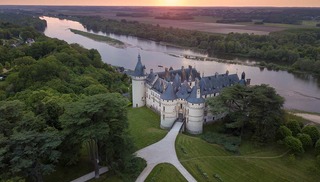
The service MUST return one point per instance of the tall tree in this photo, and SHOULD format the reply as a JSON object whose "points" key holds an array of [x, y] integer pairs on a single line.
{"points": [[99, 122], [257, 107], [28, 147]]}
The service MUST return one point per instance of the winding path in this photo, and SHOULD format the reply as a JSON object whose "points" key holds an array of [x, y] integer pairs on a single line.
{"points": [[163, 152]]}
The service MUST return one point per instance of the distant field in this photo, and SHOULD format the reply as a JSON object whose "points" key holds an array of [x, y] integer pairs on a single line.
{"points": [[199, 23], [205, 24]]}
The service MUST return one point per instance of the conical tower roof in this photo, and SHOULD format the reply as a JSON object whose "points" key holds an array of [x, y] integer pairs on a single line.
{"points": [[168, 94], [139, 70]]}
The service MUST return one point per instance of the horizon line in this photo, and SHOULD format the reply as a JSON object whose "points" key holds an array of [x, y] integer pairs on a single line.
{"points": [[176, 6]]}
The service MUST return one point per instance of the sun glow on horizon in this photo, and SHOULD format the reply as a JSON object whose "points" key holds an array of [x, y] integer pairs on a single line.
{"points": [[170, 3]]}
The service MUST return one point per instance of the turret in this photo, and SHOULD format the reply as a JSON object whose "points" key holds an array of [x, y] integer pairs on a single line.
{"points": [[138, 84], [168, 107], [195, 110]]}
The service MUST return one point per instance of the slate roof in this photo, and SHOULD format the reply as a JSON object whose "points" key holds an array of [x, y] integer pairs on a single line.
{"points": [[193, 96], [139, 69], [207, 85], [169, 93], [151, 77], [213, 84], [184, 91], [184, 76]]}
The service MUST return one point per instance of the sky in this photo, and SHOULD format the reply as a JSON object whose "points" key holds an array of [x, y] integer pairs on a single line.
{"points": [[282, 3]]}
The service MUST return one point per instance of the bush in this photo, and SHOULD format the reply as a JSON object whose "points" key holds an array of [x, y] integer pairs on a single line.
{"points": [[305, 140], [294, 144], [230, 143], [313, 132], [317, 147], [133, 169], [283, 132], [294, 126]]}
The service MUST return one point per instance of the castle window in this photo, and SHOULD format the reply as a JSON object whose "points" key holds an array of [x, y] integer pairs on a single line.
{"points": [[164, 108], [181, 106], [163, 117]]}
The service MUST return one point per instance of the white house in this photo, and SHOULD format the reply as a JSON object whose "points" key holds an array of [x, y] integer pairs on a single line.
{"points": [[179, 95]]}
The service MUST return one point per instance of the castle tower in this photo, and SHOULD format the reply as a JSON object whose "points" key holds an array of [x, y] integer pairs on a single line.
{"points": [[168, 107], [195, 110], [138, 85]]}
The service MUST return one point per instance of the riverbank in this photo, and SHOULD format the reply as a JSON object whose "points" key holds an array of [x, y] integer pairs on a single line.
{"points": [[110, 41], [312, 117]]}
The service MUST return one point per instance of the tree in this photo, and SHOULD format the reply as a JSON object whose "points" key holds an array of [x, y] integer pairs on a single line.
{"points": [[98, 121], [7, 65], [283, 132], [313, 132], [257, 108], [317, 147], [294, 126], [294, 144], [1, 68], [28, 147], [305, 140]]}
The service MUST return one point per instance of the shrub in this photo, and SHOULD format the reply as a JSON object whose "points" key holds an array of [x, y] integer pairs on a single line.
{"points": [[305, 140], [294, 126], [317, 147], [230, 143], [283, 132], [313, 132], [294, 144]]}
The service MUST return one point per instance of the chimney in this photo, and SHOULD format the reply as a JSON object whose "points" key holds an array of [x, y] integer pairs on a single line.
{"points": [[183, 74], [167, 74]]}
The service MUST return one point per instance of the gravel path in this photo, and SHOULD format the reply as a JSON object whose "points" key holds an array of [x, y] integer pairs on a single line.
{"points": [[163, 152]]}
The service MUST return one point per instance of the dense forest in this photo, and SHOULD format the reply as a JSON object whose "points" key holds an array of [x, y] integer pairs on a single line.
{"points": [[297, 49], [58, 101]]}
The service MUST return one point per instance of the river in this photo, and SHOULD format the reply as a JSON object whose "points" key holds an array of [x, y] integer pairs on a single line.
{"points": [[302, 92]]}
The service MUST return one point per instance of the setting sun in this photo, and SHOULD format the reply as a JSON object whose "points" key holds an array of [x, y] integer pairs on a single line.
{"points": [[170, 3]]}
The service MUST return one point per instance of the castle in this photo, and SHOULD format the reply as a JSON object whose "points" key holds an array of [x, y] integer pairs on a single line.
{"points": [[179, 95]]}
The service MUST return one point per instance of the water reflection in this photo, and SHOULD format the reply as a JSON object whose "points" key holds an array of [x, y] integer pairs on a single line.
{"points": [[300, 91]]}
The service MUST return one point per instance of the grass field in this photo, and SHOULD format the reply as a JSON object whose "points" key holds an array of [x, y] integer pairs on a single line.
{"points": [[165, 173], [144, 127], [100, 38], [208, 162]]}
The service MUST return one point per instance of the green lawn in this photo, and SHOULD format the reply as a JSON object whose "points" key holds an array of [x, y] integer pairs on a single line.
{"points": [[165, 172], [144, 127], [204, 161]]}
